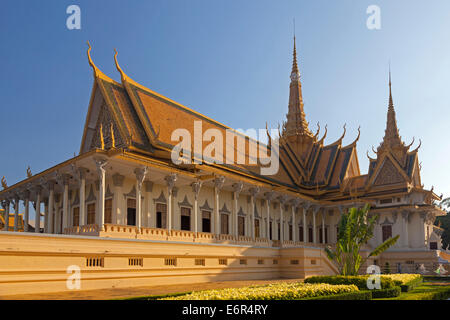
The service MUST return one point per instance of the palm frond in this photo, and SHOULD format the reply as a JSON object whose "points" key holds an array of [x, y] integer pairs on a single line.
{"points": [[384, 246]]}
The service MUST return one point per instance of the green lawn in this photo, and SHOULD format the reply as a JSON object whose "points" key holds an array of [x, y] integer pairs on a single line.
{"points": [[432, 289]]}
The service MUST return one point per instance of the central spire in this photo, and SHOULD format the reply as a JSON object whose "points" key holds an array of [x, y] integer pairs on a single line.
{"points": [[296, 123], [391, 135]]}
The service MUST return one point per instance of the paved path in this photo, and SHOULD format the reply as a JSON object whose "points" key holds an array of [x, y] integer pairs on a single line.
{"points": [[117, 293]]}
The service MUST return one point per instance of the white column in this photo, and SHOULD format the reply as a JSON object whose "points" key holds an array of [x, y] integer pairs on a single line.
{"points": [[101, 170], [196, 186], [268, 218], [253, 192], [323, 225], [50, 206], [237, 189], [65, 209], [5, 205], [26, 218], [140, 176], [218, 184], [148, 185], [282, 200], [16, 214], [315, 210], [305, 225], [37, 218], [170, 180], [294, 226], [405, 215], [118, 214], [269, 196], [275, 224], [422, 234], [82, 192], [58, 213], [46, 215]]}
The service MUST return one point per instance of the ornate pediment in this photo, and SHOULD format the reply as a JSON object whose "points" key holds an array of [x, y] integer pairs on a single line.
{"points": [[106, 134], [388, 174], [206, 206]]}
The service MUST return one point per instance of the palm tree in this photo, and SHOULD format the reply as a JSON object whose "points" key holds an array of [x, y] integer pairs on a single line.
{"points": [[355, 230]]}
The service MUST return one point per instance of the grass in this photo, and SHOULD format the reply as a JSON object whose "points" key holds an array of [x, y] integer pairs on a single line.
{"points": [[428, 290], [433, 288]]}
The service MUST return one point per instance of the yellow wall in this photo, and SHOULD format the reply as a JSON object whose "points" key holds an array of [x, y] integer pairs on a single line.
{"points": [[33, 263]]}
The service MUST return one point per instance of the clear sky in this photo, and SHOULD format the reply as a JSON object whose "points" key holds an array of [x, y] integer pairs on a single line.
{"points": [[231, 61]]}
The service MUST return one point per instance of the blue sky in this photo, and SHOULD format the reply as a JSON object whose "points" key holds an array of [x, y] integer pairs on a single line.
{"points": [[229, 60]]}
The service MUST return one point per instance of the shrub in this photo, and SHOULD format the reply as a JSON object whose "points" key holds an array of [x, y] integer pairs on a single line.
{"points": [[276, 291], [406, 281], [358, 295], [386, 293], [359, 281]]}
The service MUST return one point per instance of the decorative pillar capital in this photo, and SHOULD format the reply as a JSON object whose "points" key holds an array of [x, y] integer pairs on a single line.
{"points": [[405, 214], [316, 209], [82, 172], [62, 178], [51, 185], [253, 191], [196, 186], [306, 205], [219, 182], [296, 202], [170, 181], [395, 216], [269, 196], [101, 163], [237, 188], [25, 194], [283, 199], [140, 175]]}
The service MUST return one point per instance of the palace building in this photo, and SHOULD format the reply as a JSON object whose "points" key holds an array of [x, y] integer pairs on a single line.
{"points": [[127, 215]]}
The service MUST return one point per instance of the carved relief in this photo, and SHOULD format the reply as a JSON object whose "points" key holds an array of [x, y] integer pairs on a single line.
{"points": [[109, 131], [388, 174]]}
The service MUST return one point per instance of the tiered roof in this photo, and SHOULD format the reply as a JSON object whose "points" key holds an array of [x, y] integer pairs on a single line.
{"points": [[128, 115]]}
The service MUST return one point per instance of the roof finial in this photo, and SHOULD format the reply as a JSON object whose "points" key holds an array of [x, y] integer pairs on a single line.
{"points": [[391, 136], [391, 102], [294, 62], [97, 72]]}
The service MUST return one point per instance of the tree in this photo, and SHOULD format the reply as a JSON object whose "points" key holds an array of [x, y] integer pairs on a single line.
{"points": [[444, 222], [355, 230]]}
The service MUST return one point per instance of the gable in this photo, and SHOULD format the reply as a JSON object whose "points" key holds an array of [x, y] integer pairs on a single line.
{"points": [[106, 127], [388, 174], [111, 110]]}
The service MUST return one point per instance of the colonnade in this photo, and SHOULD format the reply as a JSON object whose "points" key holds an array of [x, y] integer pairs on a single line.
{"points": [[279, 211]]}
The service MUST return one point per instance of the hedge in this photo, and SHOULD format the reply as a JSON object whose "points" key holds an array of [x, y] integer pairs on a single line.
{"points": [[275, 291], [386, 293], [411, 285], [359, 281], [358, 295], [406, 281]]}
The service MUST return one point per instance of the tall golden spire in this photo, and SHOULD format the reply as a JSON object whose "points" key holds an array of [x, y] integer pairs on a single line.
{"points": [[296, 123], [391, 135]]}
